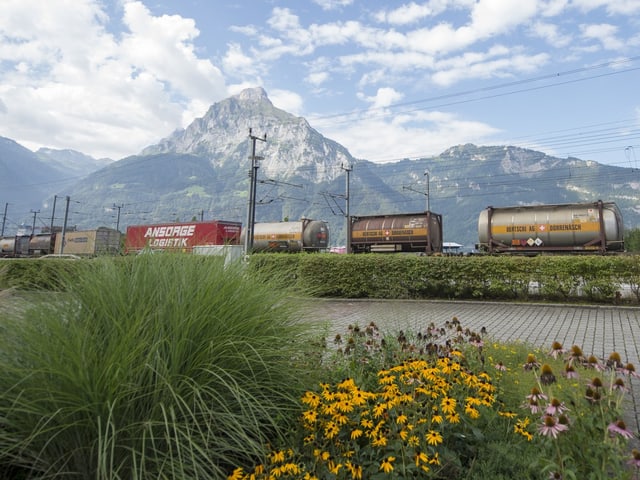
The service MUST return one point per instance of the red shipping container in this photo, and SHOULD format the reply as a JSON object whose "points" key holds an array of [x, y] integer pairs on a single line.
{"points": [[181, 236]]}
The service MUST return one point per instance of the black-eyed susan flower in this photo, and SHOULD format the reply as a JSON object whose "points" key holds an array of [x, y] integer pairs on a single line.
{"points": [[387, 464], [433, 437]]}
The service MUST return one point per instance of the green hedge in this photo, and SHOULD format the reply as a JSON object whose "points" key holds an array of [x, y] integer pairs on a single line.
{"points": [[599, 279], [602, 279]]}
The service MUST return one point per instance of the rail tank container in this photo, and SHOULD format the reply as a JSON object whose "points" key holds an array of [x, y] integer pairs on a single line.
{"points": [[580, 227], [407, 232], [304, 235]]}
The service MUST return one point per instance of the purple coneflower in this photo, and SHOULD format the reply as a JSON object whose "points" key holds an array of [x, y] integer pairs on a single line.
{"points": [[614, 360], [575, 355], [629, 369], [546, 375], [536, 394], [620, 428], [532, 405], [555, 407], [619, 385], [593, 362], [551, 427], [570, 372], [500, 366], [531, 363], [596, 383], [635, 458], [556, 349]]}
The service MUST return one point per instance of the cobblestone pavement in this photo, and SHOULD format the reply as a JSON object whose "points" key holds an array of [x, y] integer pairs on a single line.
{"points": [[598, 330]]}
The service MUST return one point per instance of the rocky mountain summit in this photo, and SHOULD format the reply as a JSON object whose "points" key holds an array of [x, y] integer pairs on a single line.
{"points": [[292, 146]]}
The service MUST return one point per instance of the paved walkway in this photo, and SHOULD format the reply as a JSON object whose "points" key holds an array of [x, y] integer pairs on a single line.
{"points": [[598, 330]]}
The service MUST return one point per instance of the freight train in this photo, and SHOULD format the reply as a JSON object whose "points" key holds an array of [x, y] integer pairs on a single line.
{"points": [[85, 243], [594, 227]]}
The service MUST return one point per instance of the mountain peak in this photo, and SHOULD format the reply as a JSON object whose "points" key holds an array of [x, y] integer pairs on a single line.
{"points": [[256, 94]]}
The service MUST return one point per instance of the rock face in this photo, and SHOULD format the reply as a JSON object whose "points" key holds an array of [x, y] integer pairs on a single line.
{"points": [[292, 147]]}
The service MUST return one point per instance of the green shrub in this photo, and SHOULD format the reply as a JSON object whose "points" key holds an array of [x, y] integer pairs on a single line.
{"points": [[159, 366]]}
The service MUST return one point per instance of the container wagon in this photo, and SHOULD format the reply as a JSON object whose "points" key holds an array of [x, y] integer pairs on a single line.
{"points": [[570, 228], [181, 237], [406, 232], [102, 241]]}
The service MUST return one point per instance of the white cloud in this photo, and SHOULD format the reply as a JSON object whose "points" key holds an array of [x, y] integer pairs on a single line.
{"points": [[286, 100], [237, 63], [550, 33], [406, 14], [66, 82], [383, 98], [417, 134], [317, 78], [603, 33], [333, 4], [621, 7]]}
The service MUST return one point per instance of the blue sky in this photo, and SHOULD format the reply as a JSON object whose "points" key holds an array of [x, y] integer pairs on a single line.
{"points": [[388, 80]]}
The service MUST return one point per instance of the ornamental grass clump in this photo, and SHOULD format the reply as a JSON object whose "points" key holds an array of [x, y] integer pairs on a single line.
{"points": [[159, 366]]}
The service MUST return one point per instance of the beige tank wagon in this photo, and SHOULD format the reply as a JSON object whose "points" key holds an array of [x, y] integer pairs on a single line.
{"points": [[595, 227]]}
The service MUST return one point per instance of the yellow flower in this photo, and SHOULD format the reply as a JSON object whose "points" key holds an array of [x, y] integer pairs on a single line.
{"points": [[387, 464], [402, 419], [472, 412], [237, 474], [334, 467], [277, 457], [421, 458], [433, 437], [380, 441], [356, 433], [453, 418], [311, 399], [448, 405], [310, 416]]}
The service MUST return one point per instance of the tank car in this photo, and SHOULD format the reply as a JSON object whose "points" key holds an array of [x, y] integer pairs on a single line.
{"points": [[580, 227], [304, 235], [407, 232], [16, 246], [41, 244]]}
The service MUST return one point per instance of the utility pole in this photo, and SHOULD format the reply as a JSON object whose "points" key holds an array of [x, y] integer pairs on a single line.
{"points": [[118, 217], [64, 226], [426, 172], [347, 215], [53, 213], [4, 218], [33, 226], [426, 193], [253, 175]]}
